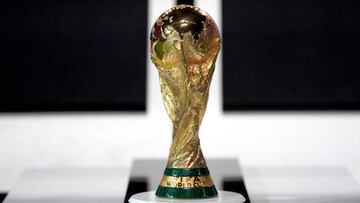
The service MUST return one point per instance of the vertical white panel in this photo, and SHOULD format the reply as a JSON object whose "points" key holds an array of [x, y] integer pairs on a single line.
{"points": [[214, 108], [155, 107], [159, 126], [212, 128]]}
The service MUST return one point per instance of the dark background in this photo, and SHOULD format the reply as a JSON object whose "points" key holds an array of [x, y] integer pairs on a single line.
{"points": [[78, 55], [291, 55], [72, 55]]}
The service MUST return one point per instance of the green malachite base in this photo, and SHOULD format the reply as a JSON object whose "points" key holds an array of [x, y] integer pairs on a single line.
{"points": [[187, 192]]}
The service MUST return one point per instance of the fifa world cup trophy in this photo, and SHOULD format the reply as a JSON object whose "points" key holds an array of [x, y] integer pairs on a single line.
{"points": [[185, 42]]}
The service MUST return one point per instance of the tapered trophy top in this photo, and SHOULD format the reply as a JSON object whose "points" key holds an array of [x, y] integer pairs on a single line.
{"points": [[185, 42], [185, 34]]}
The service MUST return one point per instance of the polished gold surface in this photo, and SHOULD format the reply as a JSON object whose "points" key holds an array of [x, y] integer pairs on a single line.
{"points": [[186, 182], [185, 42]]}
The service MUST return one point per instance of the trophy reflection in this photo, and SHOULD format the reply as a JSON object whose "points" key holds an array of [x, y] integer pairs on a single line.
{"points": [[185, 42]]}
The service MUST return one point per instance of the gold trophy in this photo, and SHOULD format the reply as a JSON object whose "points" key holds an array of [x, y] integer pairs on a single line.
{"points": [[185, 42]]}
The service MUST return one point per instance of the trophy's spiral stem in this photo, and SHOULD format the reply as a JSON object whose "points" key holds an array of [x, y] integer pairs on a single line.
{"points": [[185, 150]]}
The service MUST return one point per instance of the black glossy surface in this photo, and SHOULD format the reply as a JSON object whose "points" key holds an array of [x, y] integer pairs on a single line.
{"points": [[291, 55], [136, 185], [188, 2], [72, 55], [2, 196], [235, 184]]}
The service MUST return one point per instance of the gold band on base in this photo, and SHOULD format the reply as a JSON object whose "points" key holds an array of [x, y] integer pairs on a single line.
{"points": [[186, 182]]}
